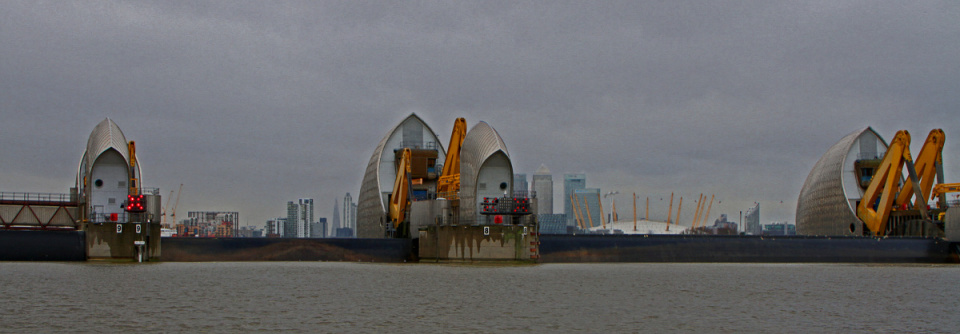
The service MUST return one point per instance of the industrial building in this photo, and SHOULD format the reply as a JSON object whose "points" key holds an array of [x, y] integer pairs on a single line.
{"points": [[106, 170], [828, 199], [865, 186], [485, 171], [381, 172], [460, 205]]}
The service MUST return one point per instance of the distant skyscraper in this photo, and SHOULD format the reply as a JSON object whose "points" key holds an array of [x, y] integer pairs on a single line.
{"points": [[520, 183], [571, 182], [543, 186], [751, 220], [348, 212], [318, 229], [299, 217], [290, 225], [335, 222], [353, 219]]}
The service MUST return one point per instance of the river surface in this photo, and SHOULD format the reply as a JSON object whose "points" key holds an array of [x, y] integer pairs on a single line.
{"points": [[336, 297]]}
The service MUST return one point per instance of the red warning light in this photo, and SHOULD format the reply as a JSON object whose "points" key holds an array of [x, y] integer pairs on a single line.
{"points": [[135, 203]]}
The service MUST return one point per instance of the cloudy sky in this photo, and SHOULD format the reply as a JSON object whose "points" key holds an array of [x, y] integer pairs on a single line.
{"points": [[252, 104]]}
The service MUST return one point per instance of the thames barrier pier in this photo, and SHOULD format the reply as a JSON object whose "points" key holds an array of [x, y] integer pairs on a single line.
{"points": [[108, 210]]}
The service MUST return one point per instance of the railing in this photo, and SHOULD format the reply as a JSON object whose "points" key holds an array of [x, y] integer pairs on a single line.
{"points": [[419, 145], [120, 217], [35, 197], [423, 196], [525, 193], [449, 195]]}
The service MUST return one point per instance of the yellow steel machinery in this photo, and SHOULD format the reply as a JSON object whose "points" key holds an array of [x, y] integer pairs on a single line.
{"points": [[448, 185], [134, 187], [400, 198], [886, 184], [926, 167], [886, 207]]}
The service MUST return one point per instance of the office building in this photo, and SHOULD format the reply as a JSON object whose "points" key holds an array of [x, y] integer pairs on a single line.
{"points": [[520, 185], [751, 220], [543, 187], [349, 212]]}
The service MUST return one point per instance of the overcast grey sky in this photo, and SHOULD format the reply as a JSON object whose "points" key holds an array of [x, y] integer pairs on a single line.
{"points": [[252, 104]]}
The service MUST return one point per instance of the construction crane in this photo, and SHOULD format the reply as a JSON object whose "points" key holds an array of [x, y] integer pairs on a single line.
{"points": [[448, 186], [173, 214], [400, 198], [163, 215]]}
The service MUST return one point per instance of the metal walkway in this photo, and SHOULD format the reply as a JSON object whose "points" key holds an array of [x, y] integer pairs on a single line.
{"points": [[42, 211]]}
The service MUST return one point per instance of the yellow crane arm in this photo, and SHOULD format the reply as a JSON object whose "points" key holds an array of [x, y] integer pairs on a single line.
{"points": [[134, 188], [449, 183], [400, 199], [944, 188], [885, 185], [926, 166]]}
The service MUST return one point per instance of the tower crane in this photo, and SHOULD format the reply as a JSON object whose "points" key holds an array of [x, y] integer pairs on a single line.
{"points": [[173, 214], [163, 215]]}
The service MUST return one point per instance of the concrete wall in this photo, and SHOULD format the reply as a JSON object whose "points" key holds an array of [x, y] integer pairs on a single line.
{"points": [[471, 243], [951, 224], [108, 185], [105, 242]]}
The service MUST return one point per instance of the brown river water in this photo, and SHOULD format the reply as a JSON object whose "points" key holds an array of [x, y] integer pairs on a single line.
{"points": [[336, 297]]}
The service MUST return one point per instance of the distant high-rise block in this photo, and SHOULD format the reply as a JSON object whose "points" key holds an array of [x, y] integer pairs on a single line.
{"points": [[299, 217], [520, 183], [349, 212], [318, 229], [543, 187], [751, 220], [571, 183]]}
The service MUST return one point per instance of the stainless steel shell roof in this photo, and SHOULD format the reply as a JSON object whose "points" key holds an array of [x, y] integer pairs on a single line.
{"points": [[105, 136], [823, 207], [480, 143], [370, 206]]}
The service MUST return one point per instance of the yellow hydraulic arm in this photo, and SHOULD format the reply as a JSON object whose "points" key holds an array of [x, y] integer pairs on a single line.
{"points": [[449, 183], [400, 199], [885, 185], [134, 188], [926, 166], [944, 188]]}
